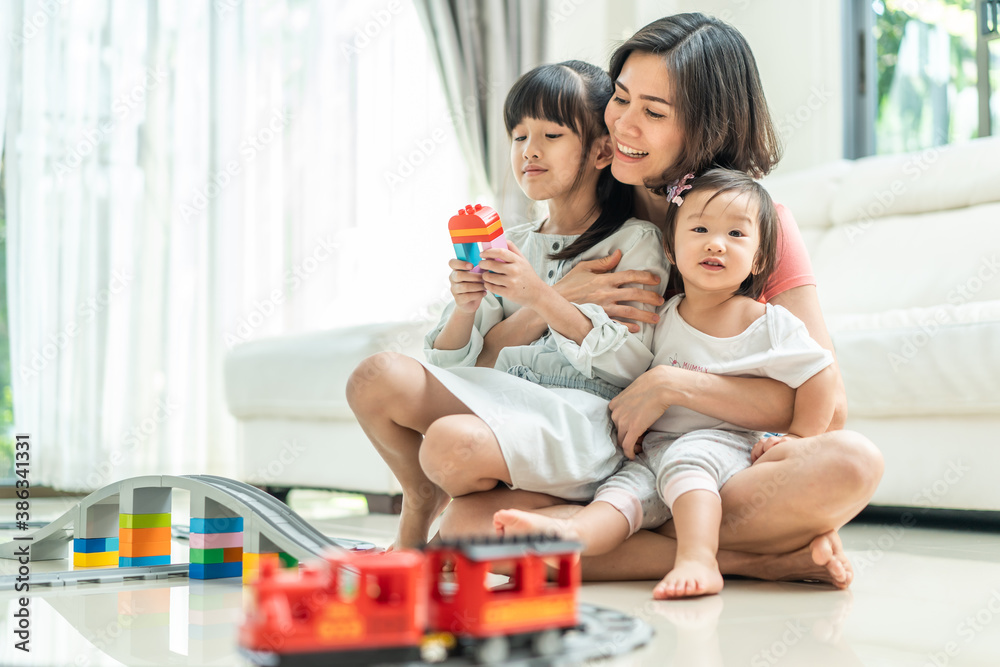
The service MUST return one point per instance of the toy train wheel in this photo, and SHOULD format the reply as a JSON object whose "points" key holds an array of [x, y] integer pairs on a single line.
{"points": [[549, 642], [491, 651]]}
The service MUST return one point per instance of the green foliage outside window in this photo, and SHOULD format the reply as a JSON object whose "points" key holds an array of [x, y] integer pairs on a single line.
{"points": [[926, 63]]}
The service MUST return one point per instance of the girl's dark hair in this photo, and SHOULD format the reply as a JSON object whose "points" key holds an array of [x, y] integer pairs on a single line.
{"points": [[716, 91], [574, 94], [720, 181]]}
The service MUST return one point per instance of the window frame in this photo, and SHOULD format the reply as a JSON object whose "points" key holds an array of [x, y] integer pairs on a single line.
{"points": [[860, 69]]}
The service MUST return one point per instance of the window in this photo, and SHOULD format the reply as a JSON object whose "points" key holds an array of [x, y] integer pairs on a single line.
{"points": [[924, 74]]}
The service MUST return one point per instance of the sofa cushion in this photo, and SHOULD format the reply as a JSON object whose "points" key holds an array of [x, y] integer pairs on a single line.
{"points": [[305, 376], [921, 361], [936, 179], [911, 261]]}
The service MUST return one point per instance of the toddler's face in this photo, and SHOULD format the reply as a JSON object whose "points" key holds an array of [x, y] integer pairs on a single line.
{"points": [[545, 157], [715, 242]]}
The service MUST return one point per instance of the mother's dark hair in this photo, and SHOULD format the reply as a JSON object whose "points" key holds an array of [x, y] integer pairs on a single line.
{"points": [[716, 91]]}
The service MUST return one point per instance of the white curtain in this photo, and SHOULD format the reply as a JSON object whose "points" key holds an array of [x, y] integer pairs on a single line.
{"points": [[184, 176], [481, 47]]}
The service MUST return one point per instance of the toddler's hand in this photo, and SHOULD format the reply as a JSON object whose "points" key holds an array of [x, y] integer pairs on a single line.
{"points": [[765, 444], [511, 275], [466, 286]]}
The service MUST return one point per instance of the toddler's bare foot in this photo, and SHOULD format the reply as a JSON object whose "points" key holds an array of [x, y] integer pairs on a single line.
{"points": [[416, 517], [690, 578], [519, 522]]}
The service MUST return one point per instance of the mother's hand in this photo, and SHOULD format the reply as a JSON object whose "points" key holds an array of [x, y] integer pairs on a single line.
{"points": [[593, 281], [639, 405]]}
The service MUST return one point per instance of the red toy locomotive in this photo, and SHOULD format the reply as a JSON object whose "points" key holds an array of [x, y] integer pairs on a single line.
{"points": [[353, 608]]}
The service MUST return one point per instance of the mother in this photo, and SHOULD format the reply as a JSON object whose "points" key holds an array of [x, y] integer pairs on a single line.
{"points": [[688, 96]]}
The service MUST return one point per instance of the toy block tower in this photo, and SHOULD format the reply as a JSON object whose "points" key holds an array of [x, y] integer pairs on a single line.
{"points": [[476, 228], [96, 540], [144, 523], [258, 550], [216, 540]]}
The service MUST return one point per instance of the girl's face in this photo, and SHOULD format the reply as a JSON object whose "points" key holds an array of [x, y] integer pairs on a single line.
{"points": [[716, 243], [645, 128], [545, 157]]}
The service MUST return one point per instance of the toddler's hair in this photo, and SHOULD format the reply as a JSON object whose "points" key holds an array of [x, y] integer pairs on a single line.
{"points": [[716, 90], [719, 181], [574, 94]]}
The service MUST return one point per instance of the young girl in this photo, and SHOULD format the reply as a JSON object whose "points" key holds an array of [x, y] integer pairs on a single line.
{"points": [[722, 241], [518, 377]]}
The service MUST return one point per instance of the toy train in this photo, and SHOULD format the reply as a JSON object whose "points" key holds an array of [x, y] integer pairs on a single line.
{"points": [[356, 608]]}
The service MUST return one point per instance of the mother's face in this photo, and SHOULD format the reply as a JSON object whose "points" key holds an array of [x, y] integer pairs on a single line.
{"points": [[643, 121]]}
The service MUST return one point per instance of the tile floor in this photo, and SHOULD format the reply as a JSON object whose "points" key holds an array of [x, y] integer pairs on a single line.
{"points": [[922, 597]]}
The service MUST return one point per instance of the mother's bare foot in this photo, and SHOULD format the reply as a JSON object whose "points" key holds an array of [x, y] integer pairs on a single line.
{"points": [[823, 559], [416, 517]]}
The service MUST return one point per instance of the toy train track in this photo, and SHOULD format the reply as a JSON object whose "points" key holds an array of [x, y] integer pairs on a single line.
{"points": [[602, 633]]}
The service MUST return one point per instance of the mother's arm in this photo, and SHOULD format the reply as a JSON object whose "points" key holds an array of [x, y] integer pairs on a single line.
{"points": [[803, 303], [758, 404], [591, 281]]}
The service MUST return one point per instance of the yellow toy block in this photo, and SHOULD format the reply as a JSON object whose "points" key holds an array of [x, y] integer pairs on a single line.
{"points": [[103, 559]]}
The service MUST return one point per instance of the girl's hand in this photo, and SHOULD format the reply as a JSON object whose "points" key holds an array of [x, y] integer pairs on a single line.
{"points": [[593, 281], [466, 286], [511, 275], [767, 443], [638, 406]]}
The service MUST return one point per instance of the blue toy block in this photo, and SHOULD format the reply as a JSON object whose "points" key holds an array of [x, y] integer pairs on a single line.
{"points": [[143, 561], [468, 252], [215, 570], [95, 545], [222, 524]]}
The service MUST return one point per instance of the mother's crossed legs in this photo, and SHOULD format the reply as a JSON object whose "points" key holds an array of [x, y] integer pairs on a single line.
{"points": [[425, 435], [779, 521]]}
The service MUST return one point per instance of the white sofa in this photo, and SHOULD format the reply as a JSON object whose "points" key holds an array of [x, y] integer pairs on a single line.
{"points": [[906, 251]]}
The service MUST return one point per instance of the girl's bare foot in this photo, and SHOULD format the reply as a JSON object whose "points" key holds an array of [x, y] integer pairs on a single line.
{"points": [[690, 578], [519, 522], [416, 517]]}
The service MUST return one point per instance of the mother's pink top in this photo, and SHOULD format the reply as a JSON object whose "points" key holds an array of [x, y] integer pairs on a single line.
{"points": [[793, 267]]}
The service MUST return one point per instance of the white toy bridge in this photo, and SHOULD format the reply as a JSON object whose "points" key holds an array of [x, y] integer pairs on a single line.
{"points": [[218, 505]]}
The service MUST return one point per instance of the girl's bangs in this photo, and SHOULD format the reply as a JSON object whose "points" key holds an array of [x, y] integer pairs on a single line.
{"points": [[543, 94]]}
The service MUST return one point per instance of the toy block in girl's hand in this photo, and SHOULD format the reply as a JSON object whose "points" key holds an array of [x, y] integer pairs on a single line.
{"points": [[475, 228]]}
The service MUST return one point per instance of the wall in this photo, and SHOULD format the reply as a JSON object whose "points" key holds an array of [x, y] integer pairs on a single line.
{"points": [[797, 46]]}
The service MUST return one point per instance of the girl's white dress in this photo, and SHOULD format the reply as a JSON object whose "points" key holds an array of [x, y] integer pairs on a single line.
{"points": [[547, 402]]}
